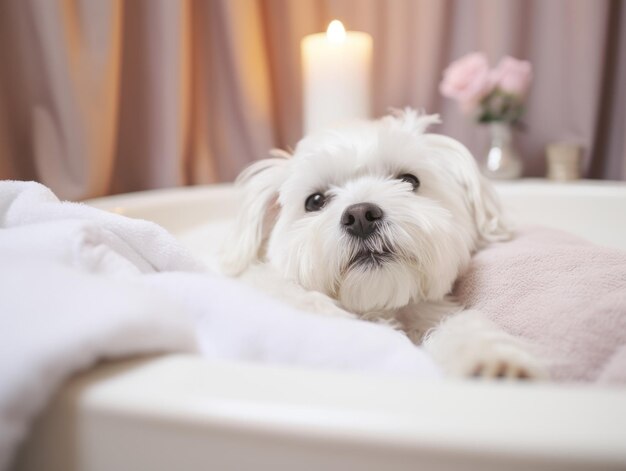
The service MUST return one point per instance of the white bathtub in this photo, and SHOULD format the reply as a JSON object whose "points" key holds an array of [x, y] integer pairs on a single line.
{"points": [[188, 413]]}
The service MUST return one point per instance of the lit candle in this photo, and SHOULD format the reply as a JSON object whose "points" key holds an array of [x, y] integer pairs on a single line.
{"points": [[336, 71]]}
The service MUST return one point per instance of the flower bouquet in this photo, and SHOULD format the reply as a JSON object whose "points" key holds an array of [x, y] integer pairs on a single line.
{"points": [[495, 97]]}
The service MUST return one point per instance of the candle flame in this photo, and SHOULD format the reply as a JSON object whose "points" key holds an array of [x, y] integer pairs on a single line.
{"points": [[336, 32]]}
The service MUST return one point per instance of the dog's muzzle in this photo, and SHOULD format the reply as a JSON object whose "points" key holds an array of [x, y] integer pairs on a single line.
{"points": [[361, 220]]}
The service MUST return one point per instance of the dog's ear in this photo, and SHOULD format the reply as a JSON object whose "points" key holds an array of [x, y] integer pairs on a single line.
{"points": [[480, 198], [259, 183]]}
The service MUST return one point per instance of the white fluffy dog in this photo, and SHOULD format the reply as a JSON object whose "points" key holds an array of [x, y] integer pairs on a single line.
{"points": [[378, 219]]}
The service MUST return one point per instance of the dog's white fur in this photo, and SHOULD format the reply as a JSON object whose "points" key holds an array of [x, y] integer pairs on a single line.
{"points": [[306, 257]]}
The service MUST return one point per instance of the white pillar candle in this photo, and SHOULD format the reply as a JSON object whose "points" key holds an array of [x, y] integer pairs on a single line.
{"points": [[337, 77]]}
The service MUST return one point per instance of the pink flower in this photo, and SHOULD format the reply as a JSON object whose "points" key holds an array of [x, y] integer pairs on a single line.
{"points": [[467, 80], [512, 76]]}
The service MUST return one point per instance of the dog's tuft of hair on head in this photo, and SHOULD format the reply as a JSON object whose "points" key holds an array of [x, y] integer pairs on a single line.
{"points": [[411, 120]]}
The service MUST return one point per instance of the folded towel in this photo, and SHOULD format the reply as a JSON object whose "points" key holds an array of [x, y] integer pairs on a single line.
{"points": [[78, 285], [564, 294], [78, 243], [148, 246]]}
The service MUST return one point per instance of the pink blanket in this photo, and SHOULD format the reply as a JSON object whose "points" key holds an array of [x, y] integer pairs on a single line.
{"points": [[562, 293]]}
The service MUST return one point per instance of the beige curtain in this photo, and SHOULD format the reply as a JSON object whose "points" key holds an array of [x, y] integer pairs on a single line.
{"points": [[105, 96]]}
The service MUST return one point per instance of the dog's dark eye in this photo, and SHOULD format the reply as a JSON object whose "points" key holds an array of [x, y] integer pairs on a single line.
{"points": [[315, 202], [412, 179]]}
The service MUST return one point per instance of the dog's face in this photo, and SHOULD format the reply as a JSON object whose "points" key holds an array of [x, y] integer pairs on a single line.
{"points": [[377, 215]]}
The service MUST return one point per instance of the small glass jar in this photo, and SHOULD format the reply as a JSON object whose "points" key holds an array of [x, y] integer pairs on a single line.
{"points": [[503, 161]]}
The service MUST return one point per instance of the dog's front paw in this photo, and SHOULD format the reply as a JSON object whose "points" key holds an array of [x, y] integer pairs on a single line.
{"points": [[500, 360]]}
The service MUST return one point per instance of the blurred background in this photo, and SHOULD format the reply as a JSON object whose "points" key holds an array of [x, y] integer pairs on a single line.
{"points": [[107, 96]]}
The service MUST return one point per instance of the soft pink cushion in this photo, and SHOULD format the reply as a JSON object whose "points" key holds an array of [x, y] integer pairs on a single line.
{"points": [[562, 293]]}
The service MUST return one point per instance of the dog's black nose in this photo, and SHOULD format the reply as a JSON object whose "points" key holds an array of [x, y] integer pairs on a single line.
{"points": [[360, 219]]}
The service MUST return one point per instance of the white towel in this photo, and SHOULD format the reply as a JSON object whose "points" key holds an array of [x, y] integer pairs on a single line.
{"points": [[56, 320], [144, 243], [235, 321], [78, 284]]}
